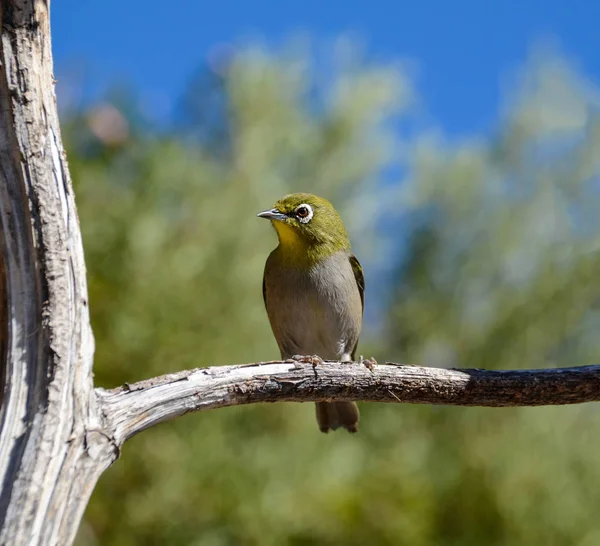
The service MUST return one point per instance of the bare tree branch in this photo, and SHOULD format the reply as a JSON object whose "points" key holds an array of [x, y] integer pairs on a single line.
{"points": [[133, 408]]}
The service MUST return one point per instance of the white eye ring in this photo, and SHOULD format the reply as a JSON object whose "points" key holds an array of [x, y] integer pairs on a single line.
{"points": [[308, 217]]}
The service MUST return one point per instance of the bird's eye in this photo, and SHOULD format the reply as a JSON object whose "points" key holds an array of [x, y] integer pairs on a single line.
{"points": [[304, 213]]}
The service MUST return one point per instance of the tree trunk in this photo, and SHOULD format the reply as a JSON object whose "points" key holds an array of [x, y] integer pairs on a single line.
{"points": [[52, 449]]}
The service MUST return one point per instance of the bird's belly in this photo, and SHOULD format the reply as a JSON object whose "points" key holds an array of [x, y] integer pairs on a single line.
{"points": [[316, 318], [311, 331]]}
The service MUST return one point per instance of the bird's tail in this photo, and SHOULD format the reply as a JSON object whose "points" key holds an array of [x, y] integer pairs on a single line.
{"points": [[333, 415]]}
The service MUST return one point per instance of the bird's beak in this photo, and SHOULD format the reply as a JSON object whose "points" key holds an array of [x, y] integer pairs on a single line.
{"points": [[272, 214]]}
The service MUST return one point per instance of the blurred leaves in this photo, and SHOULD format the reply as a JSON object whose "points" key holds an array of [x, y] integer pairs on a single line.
{"points": [[493, 244]]}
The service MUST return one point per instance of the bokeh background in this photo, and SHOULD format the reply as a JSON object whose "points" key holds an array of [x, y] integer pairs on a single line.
{"points": [[461, 143]]}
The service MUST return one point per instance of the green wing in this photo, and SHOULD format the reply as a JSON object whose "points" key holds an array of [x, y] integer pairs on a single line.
{"points": [[360, 278]]}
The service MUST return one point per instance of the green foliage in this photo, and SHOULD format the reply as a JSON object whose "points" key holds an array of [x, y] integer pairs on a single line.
{"points": [[500, 271]]}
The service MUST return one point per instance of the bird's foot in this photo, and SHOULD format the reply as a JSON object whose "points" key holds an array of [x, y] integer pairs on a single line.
{"points": [[315, 360], [368, 363], [309, 359]]}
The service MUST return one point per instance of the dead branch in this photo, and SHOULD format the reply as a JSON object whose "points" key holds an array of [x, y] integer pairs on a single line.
{"points": [[133, 408]]}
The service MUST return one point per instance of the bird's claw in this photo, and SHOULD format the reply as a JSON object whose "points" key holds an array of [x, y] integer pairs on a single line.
{"points": [[368, 363], [315, 360]]}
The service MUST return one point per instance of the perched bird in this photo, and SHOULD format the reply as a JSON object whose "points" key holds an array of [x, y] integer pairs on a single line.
{"points": [[313, 289]]}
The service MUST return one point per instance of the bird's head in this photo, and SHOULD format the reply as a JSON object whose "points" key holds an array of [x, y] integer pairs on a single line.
{"points": [[307, 223]]}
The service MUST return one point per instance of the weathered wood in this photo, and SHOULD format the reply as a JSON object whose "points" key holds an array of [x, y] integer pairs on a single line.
{"points": [[133, 408], [3, 324], [50, 453]]}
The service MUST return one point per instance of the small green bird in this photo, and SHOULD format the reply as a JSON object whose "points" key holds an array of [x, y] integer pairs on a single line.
{"points": [[313, 289]]}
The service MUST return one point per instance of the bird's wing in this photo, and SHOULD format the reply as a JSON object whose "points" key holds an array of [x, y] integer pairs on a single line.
{"points": [[360, 278], [264, 291], [360, 282]]}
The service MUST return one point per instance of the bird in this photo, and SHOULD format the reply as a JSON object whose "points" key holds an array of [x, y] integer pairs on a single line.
{"points": [[313, 289]]}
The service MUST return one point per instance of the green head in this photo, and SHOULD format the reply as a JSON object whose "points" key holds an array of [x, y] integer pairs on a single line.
{"points": [[307, 226]]}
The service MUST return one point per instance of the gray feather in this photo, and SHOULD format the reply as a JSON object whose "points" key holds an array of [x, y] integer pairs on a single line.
{"points": [[317, 311]]}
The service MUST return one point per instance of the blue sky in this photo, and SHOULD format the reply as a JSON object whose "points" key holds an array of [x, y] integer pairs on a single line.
{"points": [[464, 50]]}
